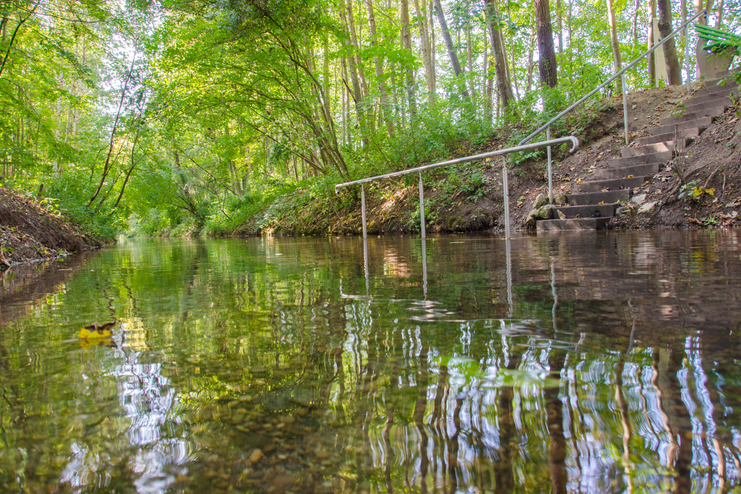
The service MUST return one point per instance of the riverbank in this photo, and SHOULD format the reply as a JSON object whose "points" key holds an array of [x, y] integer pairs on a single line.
{"points": [[700, 187], [31, 232]]}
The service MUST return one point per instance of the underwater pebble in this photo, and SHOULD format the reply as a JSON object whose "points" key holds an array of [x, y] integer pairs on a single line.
{"points": [[256, 456]]}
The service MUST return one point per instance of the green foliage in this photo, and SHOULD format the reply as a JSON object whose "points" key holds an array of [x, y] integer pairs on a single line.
{"points": [[693, 192], [168, 118]]}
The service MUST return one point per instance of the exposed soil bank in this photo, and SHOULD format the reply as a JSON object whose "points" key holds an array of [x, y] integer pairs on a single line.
{"points": [[712, 162], [28, 232]]}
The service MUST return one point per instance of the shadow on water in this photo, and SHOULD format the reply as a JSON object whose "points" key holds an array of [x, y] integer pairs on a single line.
{"points": [[568, 363]]}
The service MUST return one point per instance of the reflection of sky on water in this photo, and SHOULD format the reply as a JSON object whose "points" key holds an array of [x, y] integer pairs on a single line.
{"points": [[146, 399]]}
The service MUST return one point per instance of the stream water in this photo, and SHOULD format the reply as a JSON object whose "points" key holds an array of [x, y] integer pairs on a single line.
{"points": [[568, 363]]}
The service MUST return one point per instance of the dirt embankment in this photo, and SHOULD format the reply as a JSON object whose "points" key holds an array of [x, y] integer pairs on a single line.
{"points": [[29, 232], [700, 187]]}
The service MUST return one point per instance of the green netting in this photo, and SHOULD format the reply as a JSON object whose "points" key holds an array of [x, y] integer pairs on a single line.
{"points": [[719, 40]]}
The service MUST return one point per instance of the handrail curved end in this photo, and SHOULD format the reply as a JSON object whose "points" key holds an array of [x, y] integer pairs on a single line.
{"points": [[575, 144]]}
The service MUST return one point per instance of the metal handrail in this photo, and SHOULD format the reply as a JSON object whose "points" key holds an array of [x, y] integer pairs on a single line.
{"points": [[611, 79], [499, 152]]}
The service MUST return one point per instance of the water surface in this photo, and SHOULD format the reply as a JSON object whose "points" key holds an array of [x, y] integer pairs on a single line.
{"points": [[566, 363]]}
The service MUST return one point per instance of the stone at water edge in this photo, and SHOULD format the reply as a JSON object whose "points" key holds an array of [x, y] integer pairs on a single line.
{"points": [[639, 199], [540, 201], [542, 213], [647, 208]]}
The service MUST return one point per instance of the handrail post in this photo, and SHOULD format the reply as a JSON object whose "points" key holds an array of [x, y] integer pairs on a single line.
{"points": [[422, 207], [550, 170], [625, 110], [687, 60], [362, 207], [505, 190]]}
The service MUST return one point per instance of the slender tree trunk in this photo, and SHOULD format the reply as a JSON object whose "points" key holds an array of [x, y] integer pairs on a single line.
{"points": [[406, 40], [357, 94], [486, 81], [530, 62], [559, 21], [469, 49], [719, 18], [451, 48], [356, 45], [131, 169], [547, 67], [433, 48], [382, 90], [107, 166], [426, 51], [635, 23], [614, 36], [504, 85], [670, 50], [652, 57], [512, 75]]}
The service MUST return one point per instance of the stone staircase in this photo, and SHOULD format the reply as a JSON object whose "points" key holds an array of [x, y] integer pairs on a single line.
{"points": [[594, 205]]}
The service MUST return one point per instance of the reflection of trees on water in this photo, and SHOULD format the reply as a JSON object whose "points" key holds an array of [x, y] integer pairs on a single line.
{"points": [[275, 376]]}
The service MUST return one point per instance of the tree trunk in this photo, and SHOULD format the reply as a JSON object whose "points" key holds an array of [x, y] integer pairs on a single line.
{"points": [[614, 36], [406, 40], [469, 49], [357, 94], [635, 23], [426, 51], [719, 18], [433, 45], [652, 57], [108, 165], [449, 43], [547, 67], [560, 26], [356, 45], [385, 108], [530, 62], [670, 50], [702, 55], [504, 85], [486, 81]]}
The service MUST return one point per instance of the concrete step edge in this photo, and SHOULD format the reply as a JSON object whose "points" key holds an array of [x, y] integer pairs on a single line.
{"points": [[708, 111], [572, 224], [642, 159], [700, 123]]}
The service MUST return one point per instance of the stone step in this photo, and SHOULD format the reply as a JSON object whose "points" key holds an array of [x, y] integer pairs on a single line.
{"points": [[708, 111], [659, 147], [717, 88], [701, 123], [656, 147], [612, 184], [643, 159], [628, 171], [591, 211], [725, 73], [669, 136], [720, 102], [708, 99], [597, 197], [572, 224]]}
